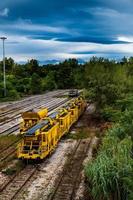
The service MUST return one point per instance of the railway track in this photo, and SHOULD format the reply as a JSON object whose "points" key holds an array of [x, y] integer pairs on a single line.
{"points": [[18, 105], [67, 184], [16, 111], [15, 127], [15, 185], [15, 118], [7, 116], [11, 106]]}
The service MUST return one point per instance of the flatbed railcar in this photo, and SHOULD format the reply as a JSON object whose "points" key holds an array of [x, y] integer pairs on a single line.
{"points": [[42, 139]]}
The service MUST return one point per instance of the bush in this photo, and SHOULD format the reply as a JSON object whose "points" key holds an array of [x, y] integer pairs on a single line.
{"points": [[110, 175], [90, 95], [36, 84], [108, 113], [10, 90], [13, 94], [9, 171]]}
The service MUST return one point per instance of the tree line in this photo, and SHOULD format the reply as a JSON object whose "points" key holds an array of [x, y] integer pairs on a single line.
{"points": [[31, 78], [106, 82], [101, 77]]}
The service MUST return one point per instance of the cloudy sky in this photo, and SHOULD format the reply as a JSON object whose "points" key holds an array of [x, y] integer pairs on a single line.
{"points": [[61, 29]]}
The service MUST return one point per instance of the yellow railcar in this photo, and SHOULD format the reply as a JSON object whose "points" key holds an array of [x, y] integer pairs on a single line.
{"points": [[42, 138], [31, 118]]}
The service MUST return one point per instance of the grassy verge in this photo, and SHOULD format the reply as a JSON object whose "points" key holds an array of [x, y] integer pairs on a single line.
{"points": [[14, 168], [6, 99], [7, 140], [110, 175], [81, 134]]}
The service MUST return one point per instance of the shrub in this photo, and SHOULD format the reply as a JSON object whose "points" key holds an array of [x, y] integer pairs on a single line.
{"points": [[108, 113], [13, 94], [111, 174]]}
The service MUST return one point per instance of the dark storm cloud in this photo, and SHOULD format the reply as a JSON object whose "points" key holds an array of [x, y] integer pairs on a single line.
{"points": [[67, 22]]}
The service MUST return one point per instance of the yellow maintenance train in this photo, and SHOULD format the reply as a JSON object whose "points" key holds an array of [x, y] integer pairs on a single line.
{"points": [[41, 139]]}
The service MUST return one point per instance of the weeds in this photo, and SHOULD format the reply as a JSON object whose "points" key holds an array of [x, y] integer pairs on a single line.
{"points": [[7, 140], [111, 173]]}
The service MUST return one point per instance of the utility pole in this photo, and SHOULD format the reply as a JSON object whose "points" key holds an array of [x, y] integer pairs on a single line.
{"points": [[4, 70]]}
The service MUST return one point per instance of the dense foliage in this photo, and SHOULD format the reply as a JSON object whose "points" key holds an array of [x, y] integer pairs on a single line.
{"points": [[106, 81], [111, 173], [31, 78]]}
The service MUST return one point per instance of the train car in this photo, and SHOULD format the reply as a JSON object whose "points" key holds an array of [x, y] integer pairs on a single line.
{"points": [[42, 139], [31, 118], [73, 93]]}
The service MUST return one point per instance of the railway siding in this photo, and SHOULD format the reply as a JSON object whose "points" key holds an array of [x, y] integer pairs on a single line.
{"points": [[13, 114], [68, 183], [9, 106], [15, 185], [13, 126], [41, 184]]}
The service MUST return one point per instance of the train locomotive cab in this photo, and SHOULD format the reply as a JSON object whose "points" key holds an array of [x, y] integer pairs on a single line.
{"points": [[39, 141], [31, 118]]}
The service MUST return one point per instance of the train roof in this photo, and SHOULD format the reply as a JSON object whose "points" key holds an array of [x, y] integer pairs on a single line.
{"points": [[40, 125], [53, 115]]}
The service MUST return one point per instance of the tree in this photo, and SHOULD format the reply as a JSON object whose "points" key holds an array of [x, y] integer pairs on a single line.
{"points": [[32, 66], [49, 82], [64, 76], [36, 84], [9, 63]]}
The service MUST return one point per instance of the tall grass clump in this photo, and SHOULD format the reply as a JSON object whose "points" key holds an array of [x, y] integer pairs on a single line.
{"points": [[110, 175]]}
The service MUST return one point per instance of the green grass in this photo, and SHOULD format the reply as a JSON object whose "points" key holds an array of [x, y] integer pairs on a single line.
{"points": [[111, 174], [16, 167], [6, 99], [7, 140], [79, 134], [9, 171]]}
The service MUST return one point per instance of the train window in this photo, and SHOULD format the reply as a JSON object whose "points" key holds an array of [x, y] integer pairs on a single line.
{"points": [[43, 138], [61, 122]]}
